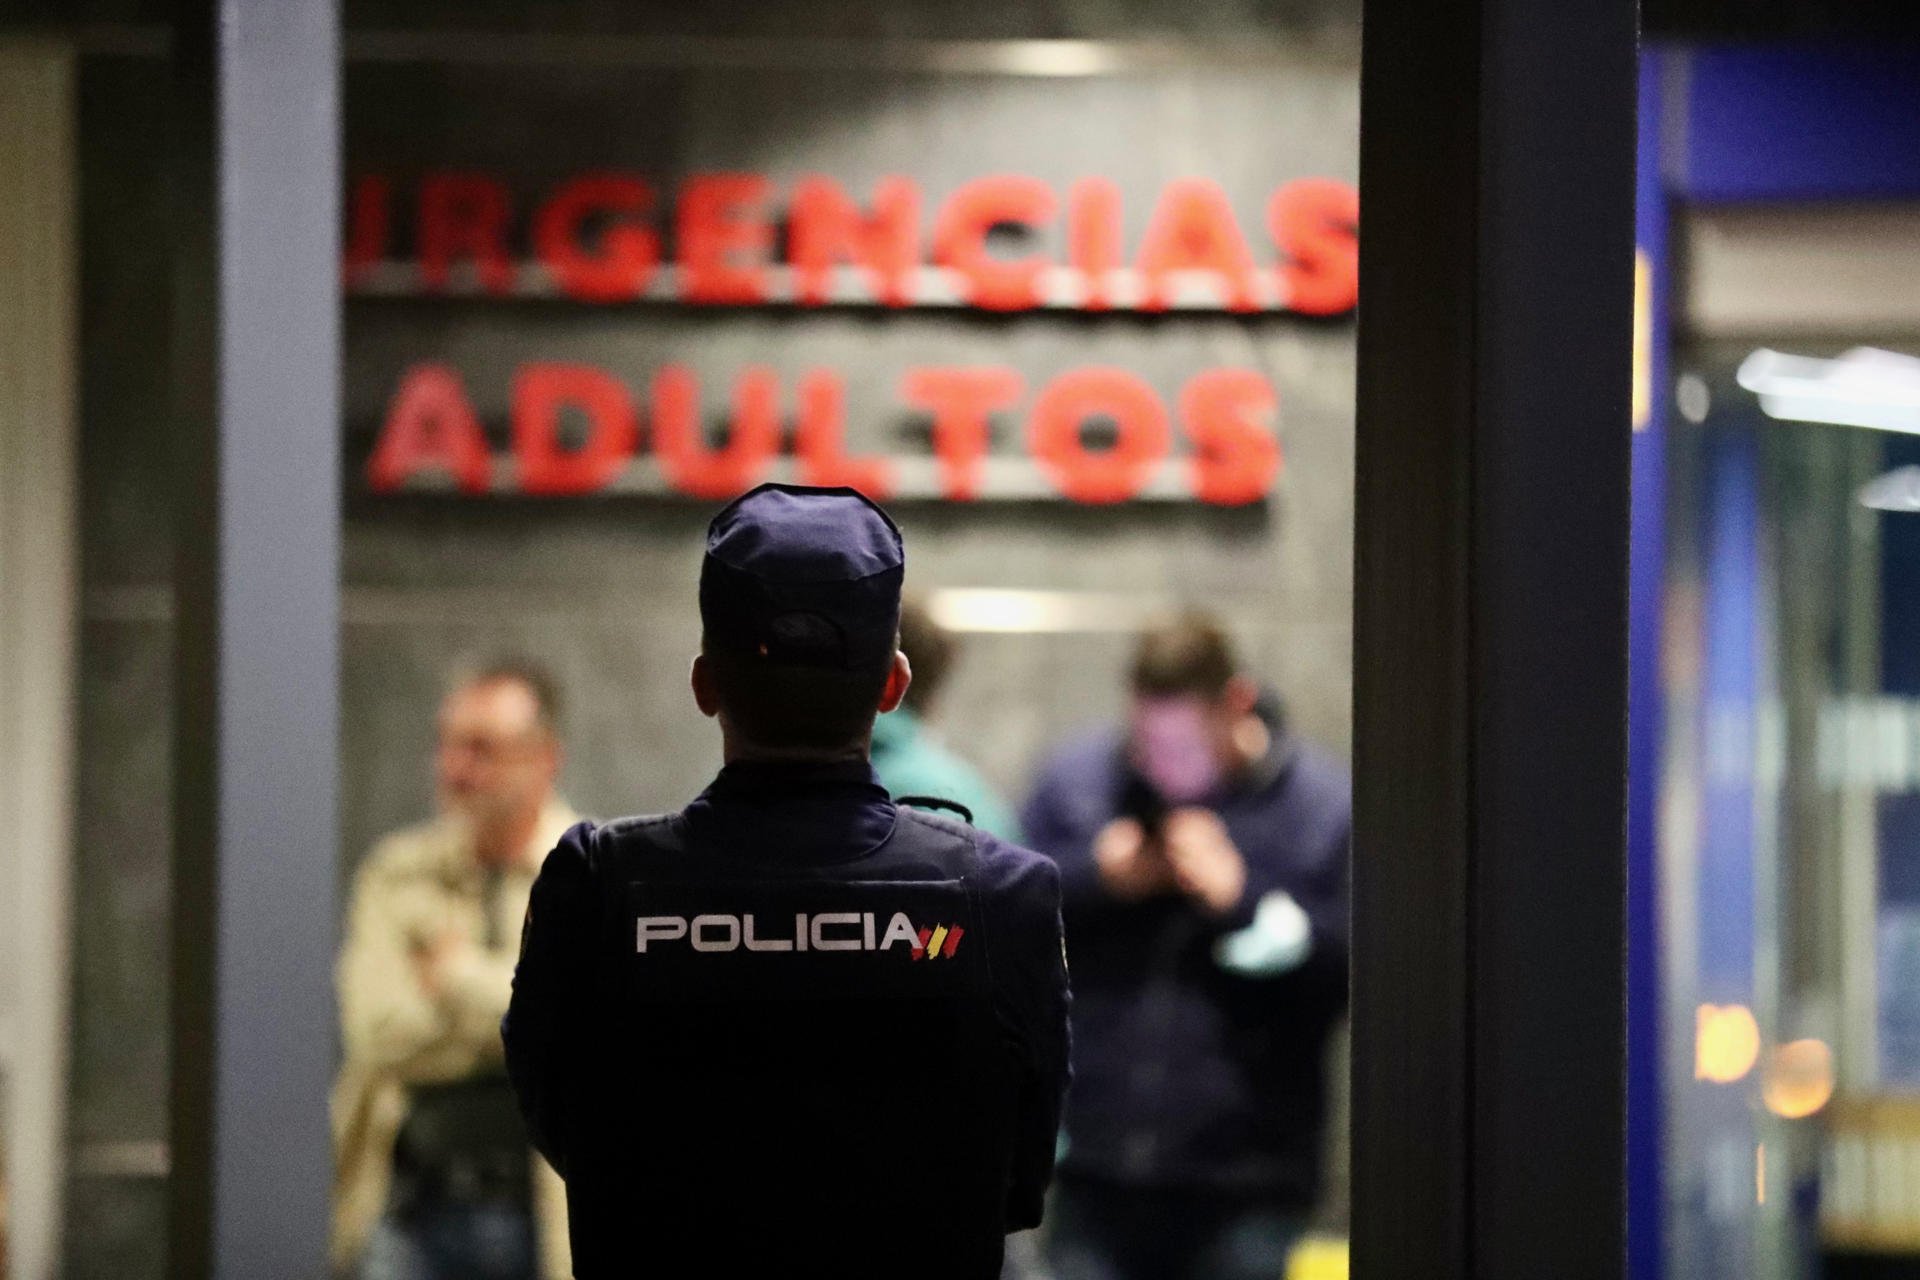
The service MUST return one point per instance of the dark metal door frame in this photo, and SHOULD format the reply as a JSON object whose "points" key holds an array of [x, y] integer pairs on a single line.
{"points": [[1490, 609], [1490, 614]]}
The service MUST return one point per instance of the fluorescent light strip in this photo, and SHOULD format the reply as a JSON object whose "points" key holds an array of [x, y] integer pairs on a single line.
{"points": [[1844, 412], [978, 609], [1865, 387], [1897, 490]]}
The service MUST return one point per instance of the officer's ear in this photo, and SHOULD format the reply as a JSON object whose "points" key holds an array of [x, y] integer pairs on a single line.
{"points": [[899, 676], [705, 695]]}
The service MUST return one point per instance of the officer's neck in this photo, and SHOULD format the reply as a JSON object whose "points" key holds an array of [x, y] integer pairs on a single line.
{"points": [[734, 750]]}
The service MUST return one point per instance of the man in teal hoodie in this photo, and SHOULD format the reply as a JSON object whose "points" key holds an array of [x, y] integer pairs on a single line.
{"points": [[909, 758]]}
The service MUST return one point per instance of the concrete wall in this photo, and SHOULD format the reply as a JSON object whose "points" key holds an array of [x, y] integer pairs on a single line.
{"points": [[603, 588]]}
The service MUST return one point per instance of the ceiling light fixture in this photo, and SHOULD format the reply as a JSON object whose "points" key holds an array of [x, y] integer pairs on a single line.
{"points": [[1864, 387]]}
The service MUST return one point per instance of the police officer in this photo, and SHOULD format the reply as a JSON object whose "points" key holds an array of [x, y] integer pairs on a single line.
{"points": [[794, 1024]]}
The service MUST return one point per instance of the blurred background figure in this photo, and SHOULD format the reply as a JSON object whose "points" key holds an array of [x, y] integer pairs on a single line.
{"points": [[435, 1178], [1204, 866], [907, 751]]}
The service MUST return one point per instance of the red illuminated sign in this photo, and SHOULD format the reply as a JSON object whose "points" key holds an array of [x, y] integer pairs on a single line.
{"points": [[723, 240], [1225, 416], [598, 238]]}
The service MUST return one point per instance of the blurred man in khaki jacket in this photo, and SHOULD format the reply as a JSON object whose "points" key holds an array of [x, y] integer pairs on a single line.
{"points": [[434, 1176]]}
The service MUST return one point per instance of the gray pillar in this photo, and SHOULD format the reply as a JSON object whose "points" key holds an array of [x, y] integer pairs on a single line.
{"points": [[256, 420], [1496, 263]]}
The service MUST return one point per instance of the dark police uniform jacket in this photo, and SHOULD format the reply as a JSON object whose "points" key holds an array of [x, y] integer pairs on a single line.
{"points": [[792, 1025]]}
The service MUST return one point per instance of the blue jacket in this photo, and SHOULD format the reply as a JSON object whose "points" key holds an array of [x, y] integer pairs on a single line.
{"points": [[792, 1024], [1189, 1071]]}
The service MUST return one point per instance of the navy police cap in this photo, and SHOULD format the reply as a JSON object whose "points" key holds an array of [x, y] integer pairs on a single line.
{"points": [[804, 576]]}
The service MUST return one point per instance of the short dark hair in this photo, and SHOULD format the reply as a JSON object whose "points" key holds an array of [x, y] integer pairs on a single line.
{"points": [[791, 707], [930, 647], [535, 678], [1184, 656]]}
